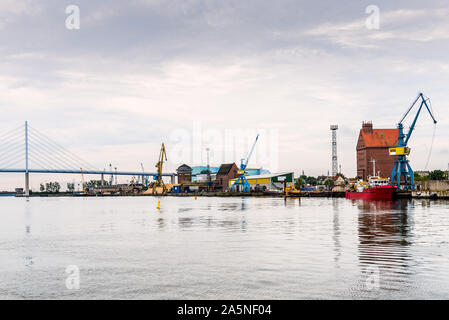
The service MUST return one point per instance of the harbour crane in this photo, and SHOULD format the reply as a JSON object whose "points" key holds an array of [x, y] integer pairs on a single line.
{"points": [[159, 165], [83, 183], [400, 149], [241, 180]]}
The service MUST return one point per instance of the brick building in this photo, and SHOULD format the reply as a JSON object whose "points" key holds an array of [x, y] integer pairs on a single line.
{"points": [[184, 173], [226, 173], [372, 145]]}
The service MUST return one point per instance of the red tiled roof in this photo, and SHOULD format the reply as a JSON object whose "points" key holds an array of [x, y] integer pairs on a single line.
{"points": [[380, 137]]}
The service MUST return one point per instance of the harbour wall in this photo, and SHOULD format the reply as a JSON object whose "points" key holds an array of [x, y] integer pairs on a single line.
{"points": [[432, 189]]}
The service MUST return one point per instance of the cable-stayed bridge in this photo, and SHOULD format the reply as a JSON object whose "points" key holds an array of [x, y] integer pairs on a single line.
{"points": [[25, 149]]}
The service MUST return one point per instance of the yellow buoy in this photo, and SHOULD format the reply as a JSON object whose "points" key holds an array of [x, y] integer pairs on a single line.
{"points": [[195, 197], [158, 205]]}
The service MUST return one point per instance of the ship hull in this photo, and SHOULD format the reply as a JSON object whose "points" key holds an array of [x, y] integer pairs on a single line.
{"points": [[377, 193]]}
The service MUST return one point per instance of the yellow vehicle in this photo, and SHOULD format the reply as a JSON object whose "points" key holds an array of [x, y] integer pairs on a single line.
{"points": [[291, 189]]}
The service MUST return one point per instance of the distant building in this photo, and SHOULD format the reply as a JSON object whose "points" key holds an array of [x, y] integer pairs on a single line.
{"points": [[422, 173], [372, 145], [203, 177], [184, 173], [254, 172], [202, 169], [226, 173], [199, 171]]}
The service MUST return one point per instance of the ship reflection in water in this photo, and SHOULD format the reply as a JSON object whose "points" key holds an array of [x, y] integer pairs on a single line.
{"points": [[384, 239], [224, 248]]}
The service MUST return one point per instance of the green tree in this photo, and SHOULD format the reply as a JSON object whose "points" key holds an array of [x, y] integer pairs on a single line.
{"points": [[42, 187], [71, 187], [341, 175], [52, 187], [311, 180], [93, 183], [436, 175], [56, 187], [329, 184], [299, 182]]}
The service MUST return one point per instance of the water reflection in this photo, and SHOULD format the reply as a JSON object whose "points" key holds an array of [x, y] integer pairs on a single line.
{"points": [[161, 223], [384, 237], [29, 261], [263, 248], [233, 206], [336, 232]]}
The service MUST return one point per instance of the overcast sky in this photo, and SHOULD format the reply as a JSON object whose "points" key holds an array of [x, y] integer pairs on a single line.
{"points": [[140, 72]]}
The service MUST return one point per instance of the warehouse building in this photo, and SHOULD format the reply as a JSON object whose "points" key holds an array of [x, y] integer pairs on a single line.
{"points": [[184, 173], [372, 151], [273, 181], [226, 172]]}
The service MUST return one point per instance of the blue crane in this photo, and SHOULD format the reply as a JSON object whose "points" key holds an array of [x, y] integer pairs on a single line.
{"points": [[402, 167], [241, 180]]}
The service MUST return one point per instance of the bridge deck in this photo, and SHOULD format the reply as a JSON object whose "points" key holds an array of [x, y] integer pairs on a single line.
{"points": [[120, 173]]}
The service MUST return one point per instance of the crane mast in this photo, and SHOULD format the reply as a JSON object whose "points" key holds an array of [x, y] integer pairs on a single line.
{"points": [[159, 165], [241, 180], [402, 170]]}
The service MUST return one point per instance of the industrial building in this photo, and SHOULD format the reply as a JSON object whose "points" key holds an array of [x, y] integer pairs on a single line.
{"points": [[219, 176], [372, 151], [268, 181], [226, 173], [184, 173]]}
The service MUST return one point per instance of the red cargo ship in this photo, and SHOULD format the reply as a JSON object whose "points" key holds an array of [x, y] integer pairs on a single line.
{"points": [[376, 188]]}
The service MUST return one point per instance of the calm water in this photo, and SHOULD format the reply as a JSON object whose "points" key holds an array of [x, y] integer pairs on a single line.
{"points": [[224, 248]]}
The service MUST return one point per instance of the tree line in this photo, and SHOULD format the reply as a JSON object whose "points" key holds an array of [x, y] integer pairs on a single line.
{"points": [[55, 187], [433, 175]]}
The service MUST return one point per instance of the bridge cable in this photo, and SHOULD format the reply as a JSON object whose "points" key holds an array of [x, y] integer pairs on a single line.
{"points": [[61, 149], [51, 157], [42, 153], [62, 155], [8, 157], [43, 139]]}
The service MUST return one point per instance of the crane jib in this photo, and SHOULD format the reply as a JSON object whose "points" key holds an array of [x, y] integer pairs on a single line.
{"points": [[402, 172]]}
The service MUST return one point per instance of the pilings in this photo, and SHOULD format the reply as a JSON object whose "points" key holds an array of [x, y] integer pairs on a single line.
{"points": [[27, 184]]}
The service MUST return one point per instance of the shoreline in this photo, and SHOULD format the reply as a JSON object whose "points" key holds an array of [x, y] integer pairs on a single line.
{"points": [[325, 194]]}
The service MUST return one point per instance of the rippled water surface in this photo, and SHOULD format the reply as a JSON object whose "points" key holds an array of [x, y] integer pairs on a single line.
{"points": [[224, 248]]}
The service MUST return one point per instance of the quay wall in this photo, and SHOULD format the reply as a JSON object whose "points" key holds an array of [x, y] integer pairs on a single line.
{"points": [[432, 189]]}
